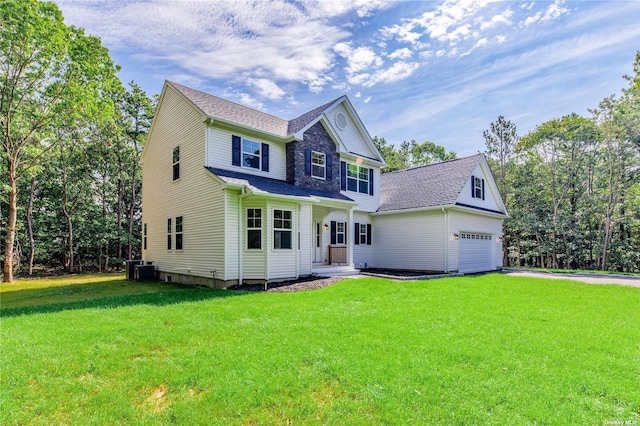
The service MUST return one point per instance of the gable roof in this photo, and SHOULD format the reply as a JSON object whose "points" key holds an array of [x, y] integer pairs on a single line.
{"points": [[302, 121], [260, 184], [232, 112], [427, 186]]}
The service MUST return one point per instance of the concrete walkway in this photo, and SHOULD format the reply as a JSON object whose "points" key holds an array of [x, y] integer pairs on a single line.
{"points": [[585, 278]]}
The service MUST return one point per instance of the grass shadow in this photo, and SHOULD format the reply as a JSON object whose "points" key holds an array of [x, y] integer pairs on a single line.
{"points": [[156, 294]]}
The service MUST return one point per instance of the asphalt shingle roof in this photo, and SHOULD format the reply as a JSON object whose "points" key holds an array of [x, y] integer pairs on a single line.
{"points": [[239, 114], [273, 186], [235, 113], [428, 186]]}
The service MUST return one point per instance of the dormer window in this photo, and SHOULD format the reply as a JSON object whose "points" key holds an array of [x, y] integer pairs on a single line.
{"points": [[318, 165], [477, 187]]}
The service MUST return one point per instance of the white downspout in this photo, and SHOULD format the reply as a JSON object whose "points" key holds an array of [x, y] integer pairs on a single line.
{"points": [[350, 237], [240, 240], [446, 240]]}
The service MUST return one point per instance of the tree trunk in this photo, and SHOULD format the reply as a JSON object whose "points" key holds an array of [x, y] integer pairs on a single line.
{"points": [[32, 244], [132, 208], [11, 222], [70, 241]]}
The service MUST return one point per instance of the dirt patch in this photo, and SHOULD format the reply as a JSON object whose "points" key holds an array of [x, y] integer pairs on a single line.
{"points": [[301, 284]]}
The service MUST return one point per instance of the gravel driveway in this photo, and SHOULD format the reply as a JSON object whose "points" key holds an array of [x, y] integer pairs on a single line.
{"points": [[585, 278]]}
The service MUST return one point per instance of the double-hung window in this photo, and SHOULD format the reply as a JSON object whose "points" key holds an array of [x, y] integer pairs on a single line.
{"points": [[176, 163], [357, 178], [340, 232], [250, 154], [179, 239], [477, 187], [254, 229], [169, 231], [362, 233], [318, 165], [282, 228]]}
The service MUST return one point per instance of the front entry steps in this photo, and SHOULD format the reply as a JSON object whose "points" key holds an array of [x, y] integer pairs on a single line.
{"points": [[334, 270]]}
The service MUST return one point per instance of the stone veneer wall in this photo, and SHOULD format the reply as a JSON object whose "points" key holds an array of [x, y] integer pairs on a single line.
{"points": [[315, 139]]}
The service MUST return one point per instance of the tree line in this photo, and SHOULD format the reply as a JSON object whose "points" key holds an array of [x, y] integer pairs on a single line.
{"points": [[71, 137], [571, 186]]}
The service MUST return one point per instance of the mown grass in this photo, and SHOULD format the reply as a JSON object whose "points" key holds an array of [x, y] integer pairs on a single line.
{"points": [[489, 349]]}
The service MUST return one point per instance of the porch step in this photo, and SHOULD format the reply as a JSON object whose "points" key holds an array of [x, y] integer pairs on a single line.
{"points": [[334, 270]]}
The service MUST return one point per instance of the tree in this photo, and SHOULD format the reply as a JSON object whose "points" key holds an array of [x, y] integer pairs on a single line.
{"points": [[500, 141], [47, 70], [411, 154]]}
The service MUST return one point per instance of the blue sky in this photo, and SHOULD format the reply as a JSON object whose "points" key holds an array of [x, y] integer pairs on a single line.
{"points": [[424, 70]]}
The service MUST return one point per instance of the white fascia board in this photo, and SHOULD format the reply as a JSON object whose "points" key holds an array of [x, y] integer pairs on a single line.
{"points": [[484, 164], [333, 203], [480, 212], [355, 157], [269, 195], [414, 210]]}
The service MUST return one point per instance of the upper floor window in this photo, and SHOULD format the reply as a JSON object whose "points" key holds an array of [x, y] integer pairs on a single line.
{"points": [[176, 163], [357, 178], [282, 226], [254, 229], [477, 187], [318, 165], [250, 154], [144, 240]]}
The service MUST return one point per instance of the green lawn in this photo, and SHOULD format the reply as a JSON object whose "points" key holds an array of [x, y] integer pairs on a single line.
{"points": [[488, 349]]}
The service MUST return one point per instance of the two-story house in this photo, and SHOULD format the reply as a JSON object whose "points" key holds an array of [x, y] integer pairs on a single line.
{"points": [[231, 195]]}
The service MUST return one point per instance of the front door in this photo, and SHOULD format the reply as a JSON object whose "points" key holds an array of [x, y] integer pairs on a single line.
{"points": [[317, 241]]}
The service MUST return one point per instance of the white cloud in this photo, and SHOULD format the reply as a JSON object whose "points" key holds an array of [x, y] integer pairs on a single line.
{"points": [[267, 88], [398, 71], [503, 18], [403, 53], [555, 11], [367, 100]]}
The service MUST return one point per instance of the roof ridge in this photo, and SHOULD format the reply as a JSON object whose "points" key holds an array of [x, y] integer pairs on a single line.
{"points": [[227, 100], [434, 164]]}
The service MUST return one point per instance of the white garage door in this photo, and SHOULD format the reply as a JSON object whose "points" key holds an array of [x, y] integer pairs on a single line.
{"points": [[475, 252]]}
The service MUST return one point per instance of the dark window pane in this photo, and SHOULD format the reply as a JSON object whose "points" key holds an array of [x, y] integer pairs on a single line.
{"points": [[178, 241], [254, 239], [169, 242], [352, 185], [364, 187]]}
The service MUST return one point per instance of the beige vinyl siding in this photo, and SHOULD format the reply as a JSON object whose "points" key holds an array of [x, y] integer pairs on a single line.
{"points": [[306, 239], [363, 253], [350, 135], [219, 154], [412, 241], [467, 222], [232, 234], [254, 264], [195, 196], [282, 263]]}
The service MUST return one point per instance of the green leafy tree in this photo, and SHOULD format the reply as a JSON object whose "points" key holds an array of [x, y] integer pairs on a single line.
{"points": [[47, 70]]}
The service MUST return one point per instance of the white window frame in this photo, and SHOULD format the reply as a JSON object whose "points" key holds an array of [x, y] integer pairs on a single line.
{"points": [[316, 157], [358, 178], [282, 225], [342, 233], [477, 188], [179, 232], [362, 234], [175, 162], [254, 224], [250, 153]]}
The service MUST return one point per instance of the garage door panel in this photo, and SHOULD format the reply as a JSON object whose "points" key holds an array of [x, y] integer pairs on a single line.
{"points": [[475, 252]]}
